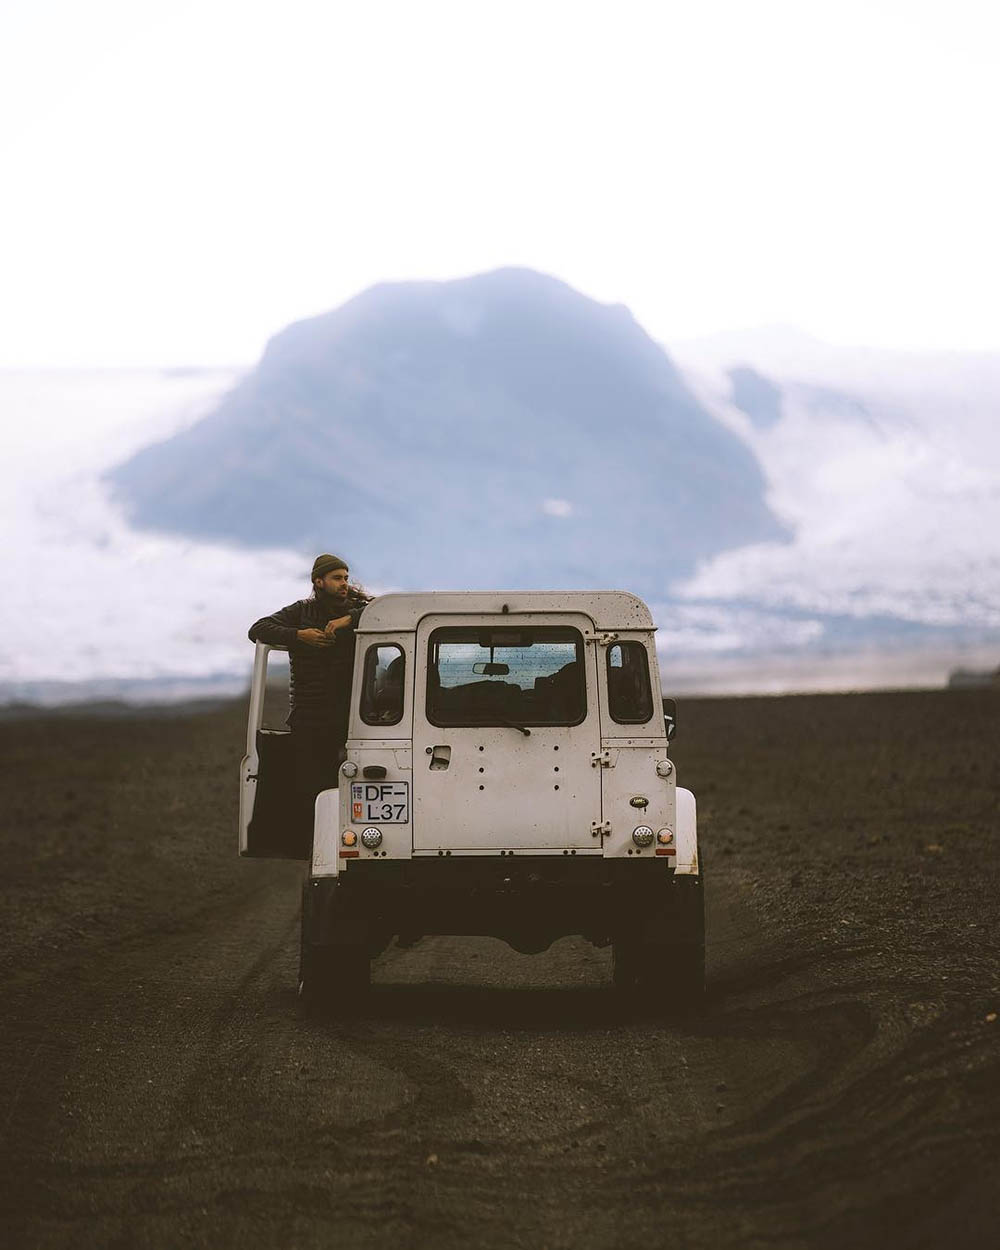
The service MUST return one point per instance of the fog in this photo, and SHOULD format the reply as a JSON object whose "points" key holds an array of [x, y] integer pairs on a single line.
{"points": [[185, 180]]}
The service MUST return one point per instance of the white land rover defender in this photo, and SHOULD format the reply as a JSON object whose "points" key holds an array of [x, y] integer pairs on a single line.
{"points": [[506, 775]]}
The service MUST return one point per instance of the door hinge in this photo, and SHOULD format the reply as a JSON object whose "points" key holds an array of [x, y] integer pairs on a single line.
{"points": [[597, 827], [602, 639], [602, 759]]}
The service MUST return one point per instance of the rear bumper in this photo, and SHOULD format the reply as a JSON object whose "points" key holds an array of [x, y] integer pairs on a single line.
{"points": [[529, 902]]}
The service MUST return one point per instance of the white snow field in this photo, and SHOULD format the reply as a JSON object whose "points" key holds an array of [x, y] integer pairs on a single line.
{"points": [[886, 466]]}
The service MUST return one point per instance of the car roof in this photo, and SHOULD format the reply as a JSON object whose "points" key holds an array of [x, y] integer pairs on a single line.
{"points": [[608, 609]]}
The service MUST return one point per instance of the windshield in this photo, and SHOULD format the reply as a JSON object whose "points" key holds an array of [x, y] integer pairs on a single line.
{"points": [[500, 676]]}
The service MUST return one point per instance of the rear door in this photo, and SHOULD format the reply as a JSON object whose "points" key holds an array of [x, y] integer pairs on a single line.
{"points": [[275, 821], [505, 731]]}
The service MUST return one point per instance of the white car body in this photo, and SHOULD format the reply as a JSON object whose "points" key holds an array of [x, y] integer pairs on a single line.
{"points": [[556, 752]]}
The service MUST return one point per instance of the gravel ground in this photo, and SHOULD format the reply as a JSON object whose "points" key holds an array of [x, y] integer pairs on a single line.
{"points": [[161, 1086]]}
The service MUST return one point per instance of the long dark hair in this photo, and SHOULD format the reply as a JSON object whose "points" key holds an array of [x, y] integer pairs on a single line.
{"points": [[355, 591]]}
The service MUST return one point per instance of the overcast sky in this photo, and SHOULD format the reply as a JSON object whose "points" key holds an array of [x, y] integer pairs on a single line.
{"points": [[184, 178]]}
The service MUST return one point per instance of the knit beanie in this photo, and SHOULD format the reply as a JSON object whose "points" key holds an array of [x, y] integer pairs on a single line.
{"points": [[326, 564]]}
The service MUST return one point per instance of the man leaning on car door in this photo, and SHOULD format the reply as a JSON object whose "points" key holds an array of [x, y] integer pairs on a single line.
{"points": [[319, 635]]}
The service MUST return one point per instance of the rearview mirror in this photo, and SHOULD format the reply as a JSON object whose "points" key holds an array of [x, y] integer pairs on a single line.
{"points": [[670, 717], [491, 670]]}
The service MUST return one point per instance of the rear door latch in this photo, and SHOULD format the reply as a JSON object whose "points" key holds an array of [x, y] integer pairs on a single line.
{"points": [[597, 827]]}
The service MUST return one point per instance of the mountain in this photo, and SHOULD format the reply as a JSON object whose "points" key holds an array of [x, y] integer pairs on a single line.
{"points": [[501, 429], [886, 464]]}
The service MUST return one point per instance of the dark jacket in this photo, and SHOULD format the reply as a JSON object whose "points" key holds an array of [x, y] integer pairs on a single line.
{"points": [[320, 677]]}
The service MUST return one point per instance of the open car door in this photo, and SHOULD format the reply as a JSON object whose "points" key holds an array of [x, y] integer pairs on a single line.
{"points": [[274, 821]]}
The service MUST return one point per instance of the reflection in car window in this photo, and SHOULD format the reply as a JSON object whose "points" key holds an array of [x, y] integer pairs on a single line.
{"points": [[274, 718], [496, 676], [630, 699], [382, 686]]}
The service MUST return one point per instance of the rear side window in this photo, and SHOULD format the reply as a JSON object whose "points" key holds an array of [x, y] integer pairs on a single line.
{"points": [[382, 686], [630, 697]]}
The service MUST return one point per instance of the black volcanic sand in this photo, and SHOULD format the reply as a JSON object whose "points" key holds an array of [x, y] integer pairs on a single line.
{"points": [[161, 1085]]}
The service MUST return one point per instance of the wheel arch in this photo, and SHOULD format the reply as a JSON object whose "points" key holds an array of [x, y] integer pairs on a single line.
{"points": [[686, 835]]}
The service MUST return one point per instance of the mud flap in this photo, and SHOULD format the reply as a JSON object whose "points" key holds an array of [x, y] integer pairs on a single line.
{"points": [[329, 918], [663, 956], [334, 959]]}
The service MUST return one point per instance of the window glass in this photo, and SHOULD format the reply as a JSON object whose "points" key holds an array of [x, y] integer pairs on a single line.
{"points": [[276, 700], [500, 676], [630, 698], [382, 686]]}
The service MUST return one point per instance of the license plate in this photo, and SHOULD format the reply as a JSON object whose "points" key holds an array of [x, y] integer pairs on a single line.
{"points": [[380, 802]]}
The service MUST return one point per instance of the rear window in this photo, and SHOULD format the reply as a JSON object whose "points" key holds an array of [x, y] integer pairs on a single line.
{"points": [[500, 676], [630, 698], [382, 685]]}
